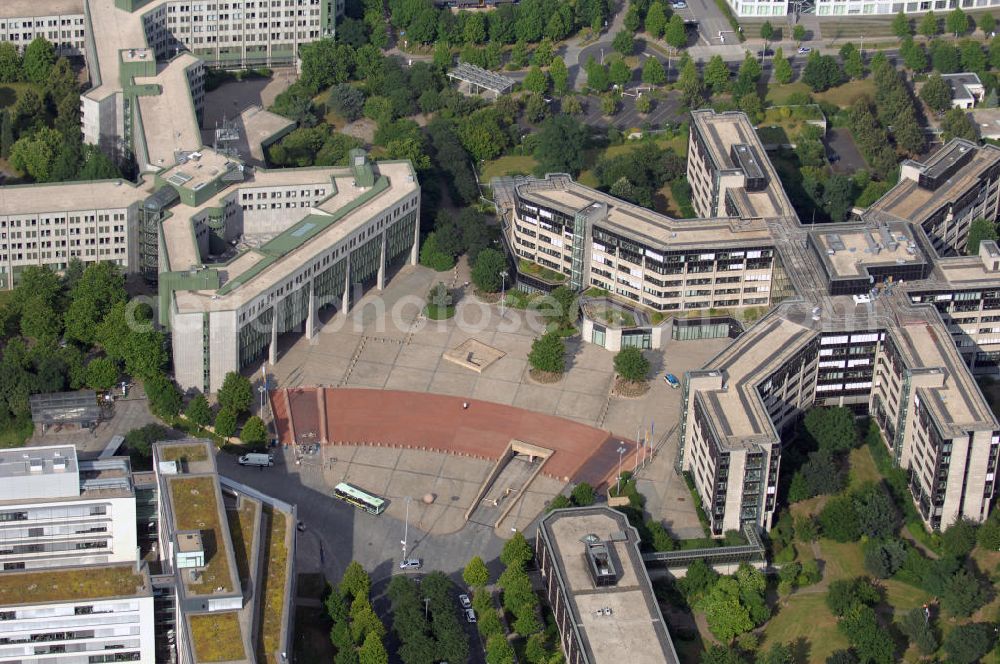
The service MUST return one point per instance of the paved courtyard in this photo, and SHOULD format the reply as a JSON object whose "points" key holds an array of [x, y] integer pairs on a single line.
{"points": [[384, 343], [128, 414]]}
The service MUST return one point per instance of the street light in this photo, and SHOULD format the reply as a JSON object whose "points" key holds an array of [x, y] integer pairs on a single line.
{"points": [[503, 291], [862, 48], [621, 452], [406, 527]]}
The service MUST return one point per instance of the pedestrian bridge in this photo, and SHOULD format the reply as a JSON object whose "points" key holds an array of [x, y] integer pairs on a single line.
{"points": [[723, 559]]}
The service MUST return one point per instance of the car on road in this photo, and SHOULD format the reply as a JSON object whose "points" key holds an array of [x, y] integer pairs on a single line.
{"points": [[465, 601], [470, 616], [410, 563], [678, 5], [804, 50], [255, 459], [765, 53], [672, 381]]}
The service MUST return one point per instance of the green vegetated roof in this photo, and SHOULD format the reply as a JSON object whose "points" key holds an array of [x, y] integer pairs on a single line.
{"points": [[195, 507], [79, 583], [190, 452], [217, 637], [299, 234]]}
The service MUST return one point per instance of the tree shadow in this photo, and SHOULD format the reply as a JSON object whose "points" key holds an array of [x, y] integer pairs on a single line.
{"points": [[801, 651]]}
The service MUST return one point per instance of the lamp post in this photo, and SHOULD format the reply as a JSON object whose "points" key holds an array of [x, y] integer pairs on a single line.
{"points": [[621, 452], [503, 291], [862, 48], [406, 527]]}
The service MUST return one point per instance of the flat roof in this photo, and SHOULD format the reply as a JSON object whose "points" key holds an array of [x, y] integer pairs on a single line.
{"points": [[334, 221], [634, 631], [119, 30], [641, 223], [197, 167], [720, 133], [259, 126], [168, 119], [35, 8], [847, 252], [57, 197], [909, 202], [737, 409], [73, 584]]}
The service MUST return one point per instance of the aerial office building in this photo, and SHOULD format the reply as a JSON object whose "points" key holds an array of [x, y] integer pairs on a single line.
{"points": [[56, 510], [882, 314], [599, 590]]}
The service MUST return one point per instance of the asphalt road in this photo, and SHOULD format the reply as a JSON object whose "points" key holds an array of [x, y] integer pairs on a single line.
{"points": [[336, 533]]}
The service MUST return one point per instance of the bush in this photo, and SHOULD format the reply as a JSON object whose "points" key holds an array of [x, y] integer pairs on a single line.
{"points": [[583, 495], [631, 364], [548, 354], [254, 432], [844, 594], [959, 539], [884, 557], [969, 643], [225, 423]]}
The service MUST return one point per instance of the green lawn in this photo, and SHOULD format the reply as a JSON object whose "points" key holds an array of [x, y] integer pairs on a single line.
{"points": [[439, 313], [863, 468], [806, 617], [512, 164], [842, 95]]}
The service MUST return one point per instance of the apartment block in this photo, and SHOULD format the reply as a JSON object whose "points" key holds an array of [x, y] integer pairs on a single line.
{"points": [[61, 22], [77, 615], [57, 510], [599, 590]]}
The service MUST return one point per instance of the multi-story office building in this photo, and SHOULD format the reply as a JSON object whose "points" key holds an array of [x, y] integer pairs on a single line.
{"points": [[61, 22], [56, 510], [77, 615], [842, 8], [212, 597], [598, 588], [882, 314]]}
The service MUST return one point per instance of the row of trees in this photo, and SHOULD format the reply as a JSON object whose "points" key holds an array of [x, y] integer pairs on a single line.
{"points": [[956, 22], [41, 133], [357, 634], [425, 621], [529, 21]]}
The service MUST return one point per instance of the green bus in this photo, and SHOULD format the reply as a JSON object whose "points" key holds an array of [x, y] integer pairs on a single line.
{"points": [[359, 498]]}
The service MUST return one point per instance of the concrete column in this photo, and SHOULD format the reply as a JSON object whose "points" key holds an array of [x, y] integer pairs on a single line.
{"points": [[272, 353], [415, 250], [311, 316], [380, 280], [346, 302]]}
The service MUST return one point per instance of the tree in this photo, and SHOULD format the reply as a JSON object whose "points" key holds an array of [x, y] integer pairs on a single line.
{"points": [[620, 73], [821, 72], [346, 101], [956, 124], [561, 142], [656, 19], [102, 373], [766, 31], [727, 616], [583, 495], [39, 57], [499, 650], [799, 32], [779, 653], [988, 536], [832, 429], [782, 67], [355, 582], [516, 551], [325, 63], [876, 513], [960, 537], [936, 93], [10, 63], [653, 72], [100, 288], [572, 106], [631, 364], [690, 84], [869, 641], [373, 651], [140, 441], [928, 25], [475, 574], [854, 65], [434, 256], [957, 21], [6, 129], [675, 33], [716, 74], [969, 643], [597, 76], [963, 594], [254, 432], [560, 76], [945, 58], [917, 629], [987, 23], [236, 393], [198, 411], [364, 621], [972, 56], [548, 354], [884, 558], [164, 397], [35, 153], [901, 25], [486, 272], [536, 81], [225, 423], [623, 43]]}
